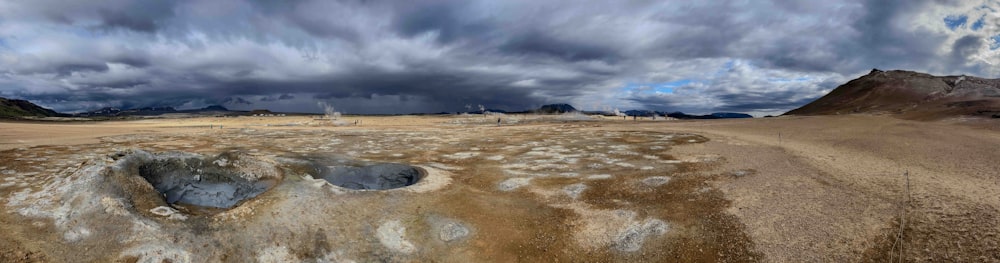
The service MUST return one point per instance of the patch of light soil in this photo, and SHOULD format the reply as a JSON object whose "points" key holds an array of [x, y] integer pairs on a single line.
{"points": [[392, 235]]}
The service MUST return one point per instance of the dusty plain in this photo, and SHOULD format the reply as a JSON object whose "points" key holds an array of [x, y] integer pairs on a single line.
{"points": [[535, 189]]}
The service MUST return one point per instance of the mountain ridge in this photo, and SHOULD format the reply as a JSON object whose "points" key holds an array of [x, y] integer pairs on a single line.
{"points": [[12, 108], [147, 111], [910, 95]]}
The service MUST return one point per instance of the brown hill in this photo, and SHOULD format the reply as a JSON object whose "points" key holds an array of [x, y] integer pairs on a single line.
{"points": [[22, 108], [910, 95]]}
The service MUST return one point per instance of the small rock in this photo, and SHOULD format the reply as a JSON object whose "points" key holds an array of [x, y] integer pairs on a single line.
{"points": [[513, 183], [574, 190], [741, 173], [461, 155], [178, 217], [599, 177], [635, 235], [163, 211], [655, 181]]}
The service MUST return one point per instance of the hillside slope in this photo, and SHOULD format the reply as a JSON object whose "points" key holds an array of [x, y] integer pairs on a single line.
{"points": [[22, 108], [910, 95]]}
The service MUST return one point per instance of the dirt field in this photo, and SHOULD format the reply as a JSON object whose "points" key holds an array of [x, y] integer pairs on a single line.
{"points": [[551, 189]]}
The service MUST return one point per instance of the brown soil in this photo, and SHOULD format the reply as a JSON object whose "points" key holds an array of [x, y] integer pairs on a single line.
{"points": [[829, 190]]}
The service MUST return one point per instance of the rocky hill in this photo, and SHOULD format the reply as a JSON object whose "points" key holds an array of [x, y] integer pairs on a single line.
{"points": [[22, 108], [555, 108], [910, 95]]}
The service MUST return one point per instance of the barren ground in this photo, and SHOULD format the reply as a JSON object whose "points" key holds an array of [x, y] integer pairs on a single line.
{"points": [[561, 189]]}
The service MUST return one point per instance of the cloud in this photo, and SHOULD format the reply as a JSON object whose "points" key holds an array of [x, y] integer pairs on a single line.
{"points": [[737, 86], [543, 45], [433, 56]]}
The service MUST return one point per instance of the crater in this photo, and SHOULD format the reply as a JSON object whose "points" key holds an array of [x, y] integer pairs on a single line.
{"points": [[223, 182], [377, 176]]}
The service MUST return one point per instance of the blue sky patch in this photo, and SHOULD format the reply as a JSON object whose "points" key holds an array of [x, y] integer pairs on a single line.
{"points": [[4, 45], [953, 22], [729, 65], [662, 87], [979, 23]]}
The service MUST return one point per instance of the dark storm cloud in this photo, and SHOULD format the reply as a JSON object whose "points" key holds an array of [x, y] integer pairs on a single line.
{"points": [[138, 16], [117, 19], [236, 100], [67, 69], [442, 18], [113, 84], [883, 41], [540, 44], [133, 60], [439, 55], [965, 47], [706, 30], [280, 97], [452, 89]]}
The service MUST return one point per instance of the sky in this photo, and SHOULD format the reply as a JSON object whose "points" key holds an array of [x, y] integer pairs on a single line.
{"points": [[386, 57]]}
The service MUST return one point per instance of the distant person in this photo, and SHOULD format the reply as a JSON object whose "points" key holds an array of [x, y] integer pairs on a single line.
{"points": [[498, 121]]}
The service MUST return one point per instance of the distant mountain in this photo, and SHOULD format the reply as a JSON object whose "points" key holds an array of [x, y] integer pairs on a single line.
{"points": [[22, 108], [731, 115], [260, 112], [112, 112], [717, 115], [555, 108], [214, 108], [107, 111], [910, 95], [640, 113], [684, 116], [150, 111]]}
